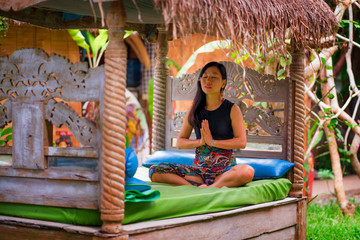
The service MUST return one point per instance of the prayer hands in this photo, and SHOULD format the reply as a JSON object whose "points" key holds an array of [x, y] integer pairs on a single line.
{"points": [[206, 136]]}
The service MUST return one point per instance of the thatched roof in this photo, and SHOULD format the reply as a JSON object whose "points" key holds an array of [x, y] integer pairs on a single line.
{"points": [[249, 23], [246, 22]]}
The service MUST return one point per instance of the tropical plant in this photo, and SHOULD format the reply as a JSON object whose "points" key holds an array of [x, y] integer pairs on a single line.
{"points": [[5, 136], [94, 46], [4, 26], [151, 97]]}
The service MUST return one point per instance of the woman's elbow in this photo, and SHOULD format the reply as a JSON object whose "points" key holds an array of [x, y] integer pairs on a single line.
{"points": [[242, 143], [179, 143], [179, 146], [242, 146]]}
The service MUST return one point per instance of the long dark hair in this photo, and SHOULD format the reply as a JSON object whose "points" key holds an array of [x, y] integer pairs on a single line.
{"points": [[200, 97]]}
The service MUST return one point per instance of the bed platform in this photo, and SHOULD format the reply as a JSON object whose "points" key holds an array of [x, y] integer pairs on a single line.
{"points": [[33, 85], [69, 177], [251, 222]]}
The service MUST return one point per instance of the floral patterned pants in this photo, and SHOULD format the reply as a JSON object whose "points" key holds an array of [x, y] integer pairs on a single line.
{"points": [[209, 163]]}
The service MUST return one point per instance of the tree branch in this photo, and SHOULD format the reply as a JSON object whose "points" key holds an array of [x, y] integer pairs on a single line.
{"points": [[348, 53], [331, 83], [341, 7], [348, 40], [354, 159], [342, 115], [313, 139], [316, 64], [358, 5], [349, 128]]}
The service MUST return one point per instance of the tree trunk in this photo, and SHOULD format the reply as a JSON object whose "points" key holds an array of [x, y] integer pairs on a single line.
{"points": [[346, 207], [354, 159], [326, 87]]}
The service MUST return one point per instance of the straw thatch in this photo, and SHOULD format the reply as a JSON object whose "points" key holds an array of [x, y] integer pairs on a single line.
{"points": [[252, 22], [247, 22]]}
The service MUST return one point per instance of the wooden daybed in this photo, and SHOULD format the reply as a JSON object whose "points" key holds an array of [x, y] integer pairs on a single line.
{"points": [[32, 177]]}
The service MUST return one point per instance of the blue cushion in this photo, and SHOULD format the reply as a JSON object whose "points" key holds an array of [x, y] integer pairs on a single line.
{"points": [[169, 157], [264, 168], [131, 162], [136, 184]]}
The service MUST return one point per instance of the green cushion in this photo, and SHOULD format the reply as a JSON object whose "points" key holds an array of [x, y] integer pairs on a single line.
{"points": [[55, 214], [173, 202], [188, 200]]}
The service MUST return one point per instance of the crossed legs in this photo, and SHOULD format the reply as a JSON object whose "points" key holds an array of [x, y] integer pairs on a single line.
{"points": [[175, 180], [237, 176]]}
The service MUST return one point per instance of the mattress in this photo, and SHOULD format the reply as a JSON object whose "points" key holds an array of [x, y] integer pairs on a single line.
{"points": [[173, 202]]}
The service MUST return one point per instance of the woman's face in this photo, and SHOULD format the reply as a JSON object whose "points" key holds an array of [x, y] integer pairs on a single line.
{"points": [[211, 81]]}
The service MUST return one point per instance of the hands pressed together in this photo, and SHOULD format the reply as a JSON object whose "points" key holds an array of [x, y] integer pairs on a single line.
{"points": [[206, 137]]}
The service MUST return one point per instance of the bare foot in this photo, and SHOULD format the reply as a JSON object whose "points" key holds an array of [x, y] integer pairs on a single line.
{"points": [[203, 186]]}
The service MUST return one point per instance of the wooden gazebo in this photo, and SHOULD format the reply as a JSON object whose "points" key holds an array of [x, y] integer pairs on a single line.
{"points": [[247, 23]]}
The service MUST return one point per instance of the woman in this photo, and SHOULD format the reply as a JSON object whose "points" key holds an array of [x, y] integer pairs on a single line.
{"points": [[219, 128]]}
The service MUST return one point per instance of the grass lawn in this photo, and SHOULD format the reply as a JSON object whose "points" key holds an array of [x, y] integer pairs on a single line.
{"points": [[325, 221]]}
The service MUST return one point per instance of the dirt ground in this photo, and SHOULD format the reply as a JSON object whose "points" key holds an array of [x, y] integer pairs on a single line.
{"points": [[325, 189]]}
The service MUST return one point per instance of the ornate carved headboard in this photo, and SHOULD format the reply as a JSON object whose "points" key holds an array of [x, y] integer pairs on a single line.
{"points": [[32, 85], [264, 102]]}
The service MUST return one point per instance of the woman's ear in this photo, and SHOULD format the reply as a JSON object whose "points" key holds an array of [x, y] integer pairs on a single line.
{"points": [[224, 84]]}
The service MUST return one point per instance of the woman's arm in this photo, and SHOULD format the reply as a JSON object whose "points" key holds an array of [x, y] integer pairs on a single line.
{"points": [[237, 122], [183, 141]]}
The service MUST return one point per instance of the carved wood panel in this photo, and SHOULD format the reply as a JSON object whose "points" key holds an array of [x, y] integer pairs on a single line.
{"points": [[243, 86], [256, 87], [248, 84], [84, 130], [32, 74], [34, 78]]}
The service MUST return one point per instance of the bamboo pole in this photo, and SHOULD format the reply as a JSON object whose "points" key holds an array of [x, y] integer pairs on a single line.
{"points": [[114, 124]]}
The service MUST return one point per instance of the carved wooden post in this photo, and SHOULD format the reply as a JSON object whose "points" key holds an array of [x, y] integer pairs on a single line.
{"points": [[114, 123], [298, 115], [160, 76]]}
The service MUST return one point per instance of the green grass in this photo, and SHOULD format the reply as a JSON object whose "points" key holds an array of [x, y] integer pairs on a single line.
{"points": [[327, 222]]}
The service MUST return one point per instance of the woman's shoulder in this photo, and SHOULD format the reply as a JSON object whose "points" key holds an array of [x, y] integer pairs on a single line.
{"points": [[230, 106], [228, 103]]}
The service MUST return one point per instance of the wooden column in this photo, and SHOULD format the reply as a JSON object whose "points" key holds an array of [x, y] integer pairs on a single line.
{"points": [[160, 77], [298, 126], [114, 123]]}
